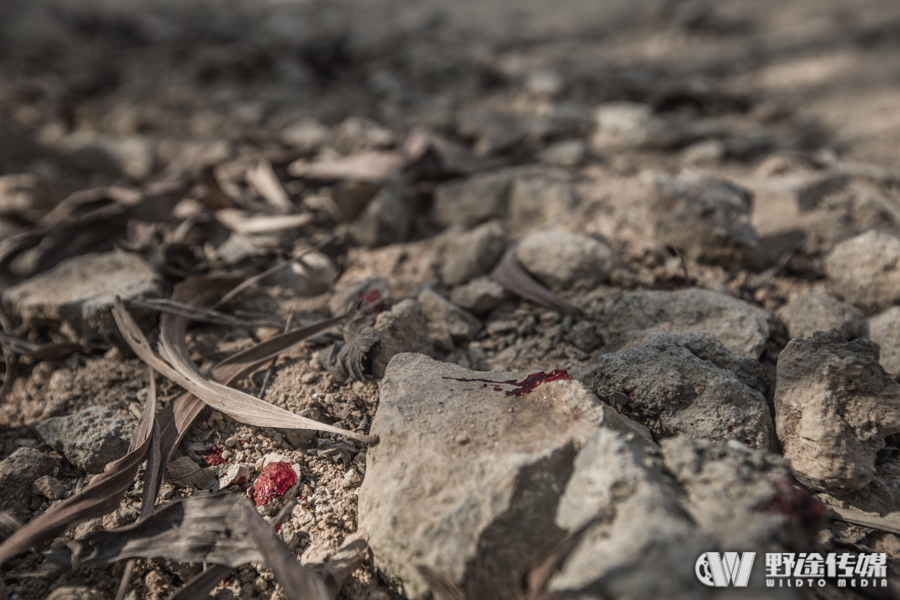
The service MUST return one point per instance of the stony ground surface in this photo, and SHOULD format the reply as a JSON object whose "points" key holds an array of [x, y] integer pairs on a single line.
{"points": [[713, 188]]}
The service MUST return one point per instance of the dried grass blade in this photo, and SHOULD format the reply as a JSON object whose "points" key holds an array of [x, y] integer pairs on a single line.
{"points": [[200, 586], [263, 178], [510, 274], [341, 564], [858, 518], [298, 582], [103, 495]]}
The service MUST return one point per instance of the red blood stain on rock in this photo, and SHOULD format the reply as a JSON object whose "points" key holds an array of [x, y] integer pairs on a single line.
{"points": [[373, 299], [730, 429], [273, 481], [526, 386], [212, 455], [794, 503]]}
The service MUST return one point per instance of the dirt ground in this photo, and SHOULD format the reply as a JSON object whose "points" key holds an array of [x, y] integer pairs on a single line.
{"points": [[768, 95]]}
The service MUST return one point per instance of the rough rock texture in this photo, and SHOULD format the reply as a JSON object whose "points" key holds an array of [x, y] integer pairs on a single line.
{"points": [[49, 487], [18, 472], [470, 201], [465, 479], [561, 258], [814, 312], [89, 439], [657, 514], [884, 330], [673, 390], [387, 217], [77, 295], [834, 406], [479, 296], [440, 312], [707, 219], [538, 197], [866, 269], [403, 329], [748, 370], [740, 326], [473, 254]]}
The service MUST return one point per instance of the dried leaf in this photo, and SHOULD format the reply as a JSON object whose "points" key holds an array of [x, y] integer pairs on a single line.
{"points": [[345, 360], [365, 166], [181, 370], [200, 586], [859, 518], [510, 274], [263, 178], [246, 224], [8, 525], [184, 472], [101, 496], [341, 564]]}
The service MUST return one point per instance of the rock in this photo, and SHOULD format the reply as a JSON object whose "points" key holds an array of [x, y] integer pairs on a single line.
{"points": [[479, 296], [387, 218], [495, 128], [567, 153], [49, 487], [403, 329], [71, 592], [444, 315], [834, 407], [473, 254], [659, 514], [18, 472], [814, 312], [560, 258], [306, 135], [884, 330], [475, 511], [740, 326], [472, 200], [277, 483], [24, 196], [89, 439], [356, 134], [538, 196], [866, 269], [673, 390], [78, 293], [545, 83], [707, 219], [706, 347]]}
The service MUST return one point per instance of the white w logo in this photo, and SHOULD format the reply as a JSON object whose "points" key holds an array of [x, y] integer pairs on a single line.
{"points": [[716, 570]]}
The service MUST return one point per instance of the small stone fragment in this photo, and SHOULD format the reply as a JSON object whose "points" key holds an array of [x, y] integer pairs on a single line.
{"points": [[479, 296], [403, 329], [814, 312], [884, 330], [351, 478], [473, 254], [49, 487], [90, 439], [18, 472], [78, 293], [568, 153], [560, 259], [473, 200], [740, 326], [444, 315], [707, 219], [834, 407], [865, 269], [306, 135]]}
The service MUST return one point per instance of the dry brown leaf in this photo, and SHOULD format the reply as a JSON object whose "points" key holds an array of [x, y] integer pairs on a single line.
{"points": [[244, 223], [101, 496], [200, 586], [184, 472], [365, 166], [263, 178], [511, 275]]}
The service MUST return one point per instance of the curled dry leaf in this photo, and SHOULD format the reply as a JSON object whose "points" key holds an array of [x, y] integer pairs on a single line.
{"points": [[184, 472], [101, 496], [263, 178], [511, 275], [345, 360]]}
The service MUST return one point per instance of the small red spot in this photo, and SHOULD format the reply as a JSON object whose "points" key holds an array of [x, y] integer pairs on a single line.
{"points": [[794, 503], [273, 481], [497, 388], [748, 442], [278, 528], [526, 386], [243, 443], [374, 300], [692, 424], [730, 428], [212, 455]]}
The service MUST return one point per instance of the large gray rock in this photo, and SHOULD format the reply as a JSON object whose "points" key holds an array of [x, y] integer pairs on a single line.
{"points": [[443, 314], [472, 200], [657, 514], [473, 254], [884, 330], [707, 219], [77, 295], [673, 385], [465, 479], [404, 328], [866, 269], [18, 472], [834, 407], [561, 258], [740, 326], [89, 439], [814, 312]]}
